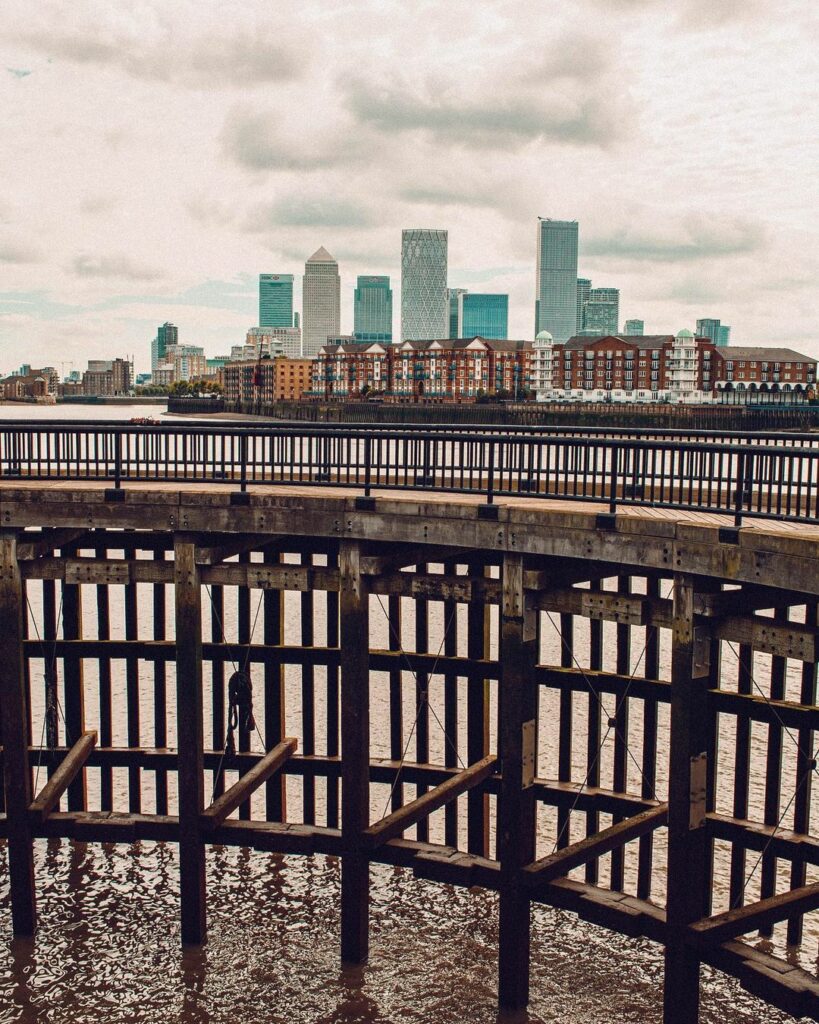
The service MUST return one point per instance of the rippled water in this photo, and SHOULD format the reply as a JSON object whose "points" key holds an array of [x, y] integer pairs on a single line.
{"points": [[108, 951]]}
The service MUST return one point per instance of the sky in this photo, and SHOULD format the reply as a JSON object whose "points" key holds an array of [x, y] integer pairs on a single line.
{"points": [[157, 156]]}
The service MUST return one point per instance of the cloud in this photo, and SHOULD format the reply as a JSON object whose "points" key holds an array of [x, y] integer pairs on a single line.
{"points": [[84, 265], [695, 238], [567, 96], [261, 139], [304, 212], [19, 72], [16, 252], [159, 49]]}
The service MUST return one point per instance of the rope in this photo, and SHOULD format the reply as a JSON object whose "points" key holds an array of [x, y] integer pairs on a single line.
{"points": [[48, 707], [764, 696], [424, 699]]}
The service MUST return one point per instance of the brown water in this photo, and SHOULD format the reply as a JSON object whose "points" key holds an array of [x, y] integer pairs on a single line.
{"points": [[108, 946]]}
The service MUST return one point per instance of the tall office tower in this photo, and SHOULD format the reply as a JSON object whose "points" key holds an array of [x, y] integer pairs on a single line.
{"points": [[453, 295], [484, 316], [275, 300], [372, 309], [167, 334], [321, 302], [724, 336], [635, 327], [709, 328], [602, 312], [424, 306], [583, 288], [556, 281]]}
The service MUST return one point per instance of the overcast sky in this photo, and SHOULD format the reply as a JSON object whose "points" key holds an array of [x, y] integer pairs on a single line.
{"points": [[158, 155]]}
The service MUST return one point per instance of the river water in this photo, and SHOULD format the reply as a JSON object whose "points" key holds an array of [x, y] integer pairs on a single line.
{"points": [[108, 945]]}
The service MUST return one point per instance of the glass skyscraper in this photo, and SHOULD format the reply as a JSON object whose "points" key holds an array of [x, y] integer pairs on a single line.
{"points": [[321, 302], [635, 327], [424, 303], [166, 336], [601, 314], [556, 281], [484, 316], [372, 309], [583, 289], [453, 294], [715, 330], [275, 300]]}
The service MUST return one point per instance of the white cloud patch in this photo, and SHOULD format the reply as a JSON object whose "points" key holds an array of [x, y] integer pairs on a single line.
{"points": [[113, 266]]}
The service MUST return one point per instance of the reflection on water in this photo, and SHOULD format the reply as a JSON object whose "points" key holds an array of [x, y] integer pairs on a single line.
{"points": [[108, 951]]}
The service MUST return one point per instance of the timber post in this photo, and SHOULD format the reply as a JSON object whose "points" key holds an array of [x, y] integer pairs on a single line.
{"points": [[16, 771], [687, 792], [74, 683], [355, 755], [190, 740], [517, 729]]}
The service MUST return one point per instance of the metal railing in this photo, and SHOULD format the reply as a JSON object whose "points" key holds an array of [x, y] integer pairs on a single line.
{"points": [[769, 476]]}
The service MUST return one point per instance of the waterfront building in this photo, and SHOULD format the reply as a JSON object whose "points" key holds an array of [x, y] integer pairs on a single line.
{"points": [[601, 313], [167, 334], [542, 366], [372, 309], [583, 288], [452, 295], [108, 377], [441, 370], [424, 305], [275, 300], [635, 328], [556, 278], [321, 301], [187, 362], [258, 382], [484, 316], [31, 384]]}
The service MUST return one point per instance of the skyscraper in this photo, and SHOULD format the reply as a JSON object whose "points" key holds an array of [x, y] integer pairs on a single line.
{"points": [[424, 305], [452, 295], [275, 300], [372, 309], [709, 328], [556, 281], [601, 314], [724, 336], [635, 327], [167, 334], [583, 288], [483, 315], [321, 301]]}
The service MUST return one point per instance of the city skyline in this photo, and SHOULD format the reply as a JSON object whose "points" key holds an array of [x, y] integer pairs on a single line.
{"points": [[276, 138]]}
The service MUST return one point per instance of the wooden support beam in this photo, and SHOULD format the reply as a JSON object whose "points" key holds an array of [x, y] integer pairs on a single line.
{"points": [[410, 814], [517, 732], [477, 711], [46, 541], [213, 816], [558, 864], [400, 555], [687, 835], [74, 683], [355, 743], [49, 796], [14, 715], [190, 740], [213, 554], [762, 914]]}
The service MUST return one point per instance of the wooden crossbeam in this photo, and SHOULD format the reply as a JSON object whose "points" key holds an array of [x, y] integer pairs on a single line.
{"points": [[46, 541], [401, 555], [213, 816], [73, 762], [213, 554], [556, 865], [732, 923], [410, 814]]}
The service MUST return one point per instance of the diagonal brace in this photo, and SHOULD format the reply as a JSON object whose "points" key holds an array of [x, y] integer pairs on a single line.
{"points": [[410, 814], [732, 923], [556, 865], [213, 816], [64, 775]]}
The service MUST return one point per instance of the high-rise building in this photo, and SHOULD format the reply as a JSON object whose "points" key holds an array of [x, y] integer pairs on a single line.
{"points": [[275, 300], [601, 314], [424, 305], [484, 316], [556, 281], [453, 295], [284, 341], [167, 334], [724, 338], [635, 327], [372, 309], [713, 329], [583, 288], [321, 301]]}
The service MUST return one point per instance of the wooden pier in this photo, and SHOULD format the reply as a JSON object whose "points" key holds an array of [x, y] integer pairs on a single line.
{"points": [[574, 705]]}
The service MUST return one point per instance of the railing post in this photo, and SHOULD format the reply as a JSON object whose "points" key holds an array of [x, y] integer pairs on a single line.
{"points": [[367, 464], [117, 460], [740, 489], [490, 490], [613, 480], [243, 459]]}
